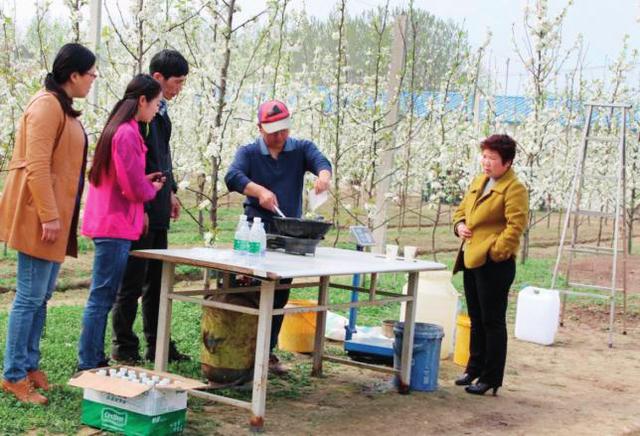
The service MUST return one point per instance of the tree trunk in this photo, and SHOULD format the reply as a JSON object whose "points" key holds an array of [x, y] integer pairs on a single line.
{"points": [[279, 55], [216, 162], [420, 211], [404, 189], [525, 241], [600, 223], [548, 211], [375, 107], [632, 210], [433, 232], [390, 120], [559, 224], [140, 37], [337, 120], [199, 199]]}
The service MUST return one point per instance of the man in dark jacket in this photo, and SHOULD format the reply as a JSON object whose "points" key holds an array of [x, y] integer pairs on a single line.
{"points": [[142, 277]]}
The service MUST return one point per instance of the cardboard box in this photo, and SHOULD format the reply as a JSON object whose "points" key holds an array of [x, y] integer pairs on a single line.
{"points": [[126, 422], [133, 408]]}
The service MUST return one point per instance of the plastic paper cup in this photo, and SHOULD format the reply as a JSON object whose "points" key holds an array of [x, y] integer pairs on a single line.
{"points": [[410, 252], [392, 251]]}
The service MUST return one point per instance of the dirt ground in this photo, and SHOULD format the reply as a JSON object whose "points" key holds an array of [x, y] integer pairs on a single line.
{"points": [[578, 386], [597, 270]]}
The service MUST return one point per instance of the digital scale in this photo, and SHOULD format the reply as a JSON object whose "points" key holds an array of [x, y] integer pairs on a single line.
{"points": [[373, 350]]}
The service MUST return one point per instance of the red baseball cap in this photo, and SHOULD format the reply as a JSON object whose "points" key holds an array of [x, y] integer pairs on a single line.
{"points": [[274, 116]]}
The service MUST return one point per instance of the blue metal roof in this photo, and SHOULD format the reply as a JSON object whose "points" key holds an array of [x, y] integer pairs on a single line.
{"points": [[509, 109]]}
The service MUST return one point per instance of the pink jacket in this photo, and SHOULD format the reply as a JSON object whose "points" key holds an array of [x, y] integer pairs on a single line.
{"points": [[115, 209]]}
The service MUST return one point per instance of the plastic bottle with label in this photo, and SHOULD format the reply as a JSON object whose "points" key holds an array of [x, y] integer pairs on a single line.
{"points": [[241, 237], [263, 241], [256, 238]]}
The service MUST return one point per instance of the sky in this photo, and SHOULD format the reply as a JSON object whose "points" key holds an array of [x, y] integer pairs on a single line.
{"points": [[603, 24]]}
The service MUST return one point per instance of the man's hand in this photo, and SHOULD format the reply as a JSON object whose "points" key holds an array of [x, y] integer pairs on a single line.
{"points": [[145, 225], [463, 231], [175, 206], [50, 231], [267, 199], [323, 181]]}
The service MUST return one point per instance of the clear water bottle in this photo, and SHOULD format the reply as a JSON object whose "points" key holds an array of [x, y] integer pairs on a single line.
{"points": [[255, 238], [263, 241], [241, 237]]}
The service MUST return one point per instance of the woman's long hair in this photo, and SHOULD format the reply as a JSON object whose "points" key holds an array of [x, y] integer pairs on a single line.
{"points": [[124, 111], [71, 58]]}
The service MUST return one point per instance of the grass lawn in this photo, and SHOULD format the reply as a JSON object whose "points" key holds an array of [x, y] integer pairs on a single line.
{"points": [[59, 351]]}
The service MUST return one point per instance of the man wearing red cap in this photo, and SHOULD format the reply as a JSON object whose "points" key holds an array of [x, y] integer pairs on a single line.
{"points": [[270, 172]]}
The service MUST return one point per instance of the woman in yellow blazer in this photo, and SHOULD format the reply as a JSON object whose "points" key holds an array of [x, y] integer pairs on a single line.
{"points": [[39, 210], [490, 221]]}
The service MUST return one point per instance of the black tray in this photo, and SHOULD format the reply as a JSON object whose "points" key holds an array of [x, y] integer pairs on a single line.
{"points": [[292, 245]]}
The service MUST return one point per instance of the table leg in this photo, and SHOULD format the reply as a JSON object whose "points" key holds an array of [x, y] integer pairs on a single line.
{"points": [[164, 317], [226, 281], [407, 336], [261, 365], [321, 323]]}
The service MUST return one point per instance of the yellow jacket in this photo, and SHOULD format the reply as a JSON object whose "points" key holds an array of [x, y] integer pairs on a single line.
{"points": [[496, 220]]}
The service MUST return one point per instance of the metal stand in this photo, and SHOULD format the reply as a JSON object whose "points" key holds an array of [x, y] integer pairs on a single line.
{"points": [[376, 350], [353, 312], [574, 209]]}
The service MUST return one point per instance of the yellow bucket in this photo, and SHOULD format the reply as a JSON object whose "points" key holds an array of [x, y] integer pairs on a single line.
{"points": [[298, 329], [463, 336]]}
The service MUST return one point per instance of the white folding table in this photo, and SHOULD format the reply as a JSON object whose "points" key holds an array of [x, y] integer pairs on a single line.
{"points": [[327, 263]]}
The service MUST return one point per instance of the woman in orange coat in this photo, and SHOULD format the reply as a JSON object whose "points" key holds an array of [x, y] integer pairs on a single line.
{"points": [[39, 210], [490, 221]]}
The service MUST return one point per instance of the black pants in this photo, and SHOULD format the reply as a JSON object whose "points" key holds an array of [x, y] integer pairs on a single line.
{"points": [[142, 277], [280, 300], [281, 297], [486, 289]]}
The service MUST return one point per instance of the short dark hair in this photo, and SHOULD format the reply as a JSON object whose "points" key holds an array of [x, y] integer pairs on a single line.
{"points": [[169, 63], [504, 145]]}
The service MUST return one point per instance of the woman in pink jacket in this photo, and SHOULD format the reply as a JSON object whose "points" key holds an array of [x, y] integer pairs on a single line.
{"points": [[114, 212]]}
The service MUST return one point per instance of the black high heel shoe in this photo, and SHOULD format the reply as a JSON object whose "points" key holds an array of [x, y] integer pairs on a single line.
{"points": [[465, 379], [481, 388]]}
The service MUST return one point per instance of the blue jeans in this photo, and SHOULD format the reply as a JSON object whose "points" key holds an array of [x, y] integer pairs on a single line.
{"points": [[35, 281], [108, 268]]}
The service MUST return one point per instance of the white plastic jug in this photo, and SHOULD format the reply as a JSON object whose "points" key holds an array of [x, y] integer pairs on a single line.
{"points": [[437, 304], [537, 315]]}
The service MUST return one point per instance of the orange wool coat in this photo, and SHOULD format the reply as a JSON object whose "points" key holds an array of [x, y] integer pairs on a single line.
{"points": [[43, 179], [496, 220]]}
